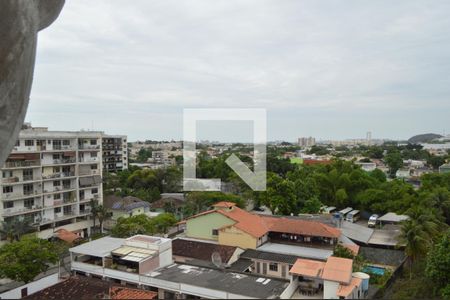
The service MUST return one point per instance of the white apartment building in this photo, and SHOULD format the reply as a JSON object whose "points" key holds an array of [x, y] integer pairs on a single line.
{"points": [[115, 153], [306, 141], [49, 179]]}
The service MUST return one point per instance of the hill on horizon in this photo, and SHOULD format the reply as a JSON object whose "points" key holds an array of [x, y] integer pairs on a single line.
{"points": [[424, 138]]}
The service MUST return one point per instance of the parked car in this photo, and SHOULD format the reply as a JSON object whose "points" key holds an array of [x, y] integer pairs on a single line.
{"points": [[373, 220]]}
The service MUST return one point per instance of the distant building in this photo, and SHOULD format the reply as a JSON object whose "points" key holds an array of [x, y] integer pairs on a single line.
{"points": [[115, 154], [124, 207], [444, 168], [306, 141]]}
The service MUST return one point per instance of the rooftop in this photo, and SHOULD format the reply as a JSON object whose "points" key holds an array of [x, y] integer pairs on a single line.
{"points": [[269, 256], [201, 250], [307, 267], [338, 269], [120, 292], [227, 282], [392, 217], [298, 251], [101, 247]]}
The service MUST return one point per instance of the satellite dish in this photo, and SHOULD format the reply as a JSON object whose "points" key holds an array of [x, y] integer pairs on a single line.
{"points": [[216, 259]]}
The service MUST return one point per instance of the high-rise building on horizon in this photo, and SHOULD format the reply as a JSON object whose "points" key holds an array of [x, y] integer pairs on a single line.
{"points": [[306, 141], [115, 153], [49, 179]]}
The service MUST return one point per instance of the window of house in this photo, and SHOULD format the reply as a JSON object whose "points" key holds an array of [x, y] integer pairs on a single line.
{"points": [[93, 154], [258, 267], [56, 183], [66, 142], [273, 267], [56, 156], [57, 210], [18, 143], [283, 271], [215, 232], [93, 167], [93, 142], [28, 203], [7, 189], [94, 191], [57, 196], [27, 174], [264, 268], [29, 143], [8, 204], [56, 169]]}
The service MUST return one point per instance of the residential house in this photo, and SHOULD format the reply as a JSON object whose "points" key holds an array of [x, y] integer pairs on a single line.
{"points": [[445, 168], [124, 207]]}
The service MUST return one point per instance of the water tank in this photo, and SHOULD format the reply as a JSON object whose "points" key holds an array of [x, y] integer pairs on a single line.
{"points": [[365, 280]]}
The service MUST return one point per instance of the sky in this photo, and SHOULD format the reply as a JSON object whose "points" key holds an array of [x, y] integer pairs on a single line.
{"points": [[327, 69]]}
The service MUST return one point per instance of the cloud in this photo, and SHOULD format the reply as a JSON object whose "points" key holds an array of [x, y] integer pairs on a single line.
{"points": [[382, 64]]}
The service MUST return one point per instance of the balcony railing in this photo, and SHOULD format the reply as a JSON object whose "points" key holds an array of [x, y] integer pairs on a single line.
{"points": [[22, 163], [10, 180], [88, 160], [21, 210], [89, 172], [88, 147], [58, 175], [60, 161]]}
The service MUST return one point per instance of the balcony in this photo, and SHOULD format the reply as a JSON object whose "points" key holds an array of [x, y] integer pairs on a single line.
{"points": [[88, 160], [59, 175], [60, 189], [63, 147], [88, 147], [59, 161], [22, 164], [10, 180], [88, 172], [21, 210]]}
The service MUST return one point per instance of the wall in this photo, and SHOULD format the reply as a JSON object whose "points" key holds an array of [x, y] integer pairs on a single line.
{"points": [[233, 236], [202, 226], [330, 289], [269, 272], [32, 287], [290, 290]]}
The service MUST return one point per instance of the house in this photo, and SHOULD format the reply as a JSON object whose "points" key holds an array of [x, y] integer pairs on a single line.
{"points": [[230, 225], [332, 279], [145, 261], [124, 207], [171, 203], [403, 173], [392, 218], [367, 166]]}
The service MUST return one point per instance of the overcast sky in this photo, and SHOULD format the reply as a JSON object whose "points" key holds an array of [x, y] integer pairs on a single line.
{"points": [[329, 69]]}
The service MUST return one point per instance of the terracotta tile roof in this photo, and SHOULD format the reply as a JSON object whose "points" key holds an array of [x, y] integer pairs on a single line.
{"points": [[224, 204], [201, 250], [118, 292], [301, 227], [257, 225], [308, 267], [75, 287], [66, 235], [353, 248], [338, 269], [345, 290]]}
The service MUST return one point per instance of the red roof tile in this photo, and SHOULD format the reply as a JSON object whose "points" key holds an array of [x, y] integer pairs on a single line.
{"points": [[308, 267], [301, 227], [224, 204], [118, 292], [338, 269], [345, 290], [66, 235]]}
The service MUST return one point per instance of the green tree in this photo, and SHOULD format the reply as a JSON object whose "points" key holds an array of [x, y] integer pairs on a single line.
{"points": [[14, 229], [415, 240], [25, 259], [93, 204], [163, 222], [312, 206], [102, 214], [141, 224], [438, 262], [394, 161], [436, 161], [344, 252]]}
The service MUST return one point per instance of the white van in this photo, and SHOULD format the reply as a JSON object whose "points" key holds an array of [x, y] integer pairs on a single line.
{"points": [[373, 220], [352, 216]]}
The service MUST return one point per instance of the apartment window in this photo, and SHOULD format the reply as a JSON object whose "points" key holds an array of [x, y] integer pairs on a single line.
{"points": [[93, 142], [28, 189], [57, 210], [56, 156], [56, 196], [29, 143], [215, 232], [273, 267], [18, 143], [7, 174], [27, 174], [93, 154], [67, 209], [49, 142], [56, 169], [94, 191], [57, 183], [66, 142], [8, 204], [28, 203], [93, 167], [7, 189]]}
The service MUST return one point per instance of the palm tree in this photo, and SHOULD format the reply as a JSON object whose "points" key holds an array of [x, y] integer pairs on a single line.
{"points": [[415, 240], [102, 214], [94, 210]]}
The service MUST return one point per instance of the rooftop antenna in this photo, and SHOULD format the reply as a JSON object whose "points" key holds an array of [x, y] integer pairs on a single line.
{"points": [[216, 259]]}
